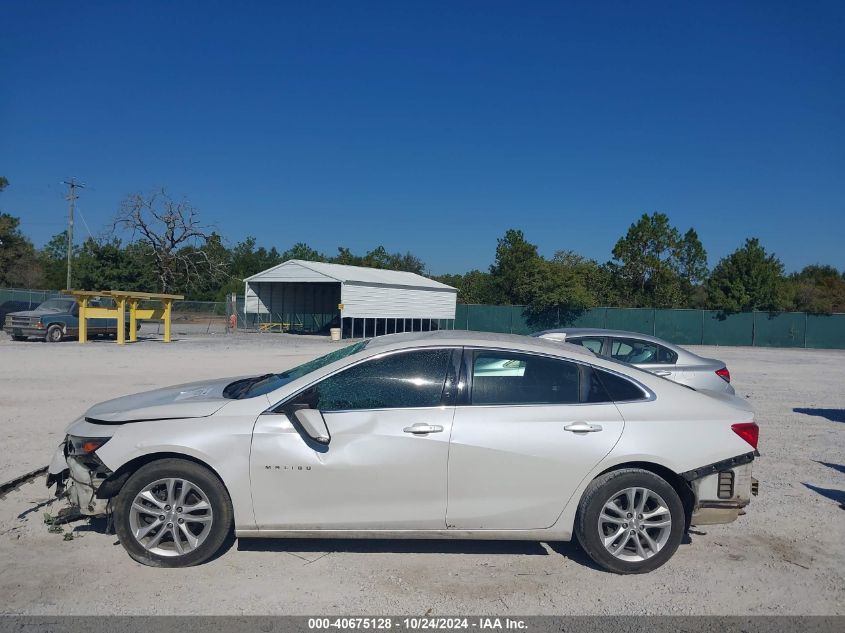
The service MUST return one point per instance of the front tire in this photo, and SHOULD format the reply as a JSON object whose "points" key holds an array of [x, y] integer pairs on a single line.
{"points": [[54, 334], [630, 521], [173, 513]]}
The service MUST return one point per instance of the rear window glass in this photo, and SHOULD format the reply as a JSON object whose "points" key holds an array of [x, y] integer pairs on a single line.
{"points": [[512, 378], [616, 388]]}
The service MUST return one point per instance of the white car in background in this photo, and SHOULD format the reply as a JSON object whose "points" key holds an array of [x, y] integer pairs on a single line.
{"points": [[528, 439], [650, 353]]}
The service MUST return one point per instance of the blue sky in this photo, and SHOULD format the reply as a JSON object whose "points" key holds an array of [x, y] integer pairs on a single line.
{"points": [[434, 127]]}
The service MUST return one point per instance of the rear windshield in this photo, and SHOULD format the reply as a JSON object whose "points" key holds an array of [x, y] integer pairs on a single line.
{"points": [[259, 385]]}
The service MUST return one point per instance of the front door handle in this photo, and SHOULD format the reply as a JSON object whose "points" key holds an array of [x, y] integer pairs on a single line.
{"points": [[582, 427], [423, 429], [662, 372]]}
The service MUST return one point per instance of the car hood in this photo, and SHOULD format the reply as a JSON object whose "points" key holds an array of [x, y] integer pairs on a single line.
{"points": [[192, 400], [34, 313]]}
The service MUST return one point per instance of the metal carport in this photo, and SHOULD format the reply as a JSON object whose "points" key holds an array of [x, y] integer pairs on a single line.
{"points": [[308, 296]]}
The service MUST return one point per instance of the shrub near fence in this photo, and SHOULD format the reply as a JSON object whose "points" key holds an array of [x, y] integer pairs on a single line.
{"points": [[684, 327]]}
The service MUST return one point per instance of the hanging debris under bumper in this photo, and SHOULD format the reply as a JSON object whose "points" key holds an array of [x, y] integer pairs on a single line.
{"points": [[78, 477]]}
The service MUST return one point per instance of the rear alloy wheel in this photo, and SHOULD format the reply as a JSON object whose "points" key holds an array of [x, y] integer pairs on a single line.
{"points": [[54, 334], [173, 513], [630, 521]]}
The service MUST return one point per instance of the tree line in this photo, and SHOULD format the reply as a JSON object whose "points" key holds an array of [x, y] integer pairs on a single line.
{"points": [[158, 244]]}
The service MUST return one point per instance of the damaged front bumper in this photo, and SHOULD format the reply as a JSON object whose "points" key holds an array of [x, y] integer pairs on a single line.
{"points": [[78, 477]]}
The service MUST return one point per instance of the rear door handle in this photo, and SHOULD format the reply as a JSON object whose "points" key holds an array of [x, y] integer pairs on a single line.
{"points": [[423, 429], [662, 372], [582, 427]]}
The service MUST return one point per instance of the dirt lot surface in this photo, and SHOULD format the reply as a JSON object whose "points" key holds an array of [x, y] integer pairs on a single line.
{"points": [[786, 556]]}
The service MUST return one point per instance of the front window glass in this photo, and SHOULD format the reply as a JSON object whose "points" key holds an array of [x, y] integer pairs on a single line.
{"points": [[259, 385], [511, 378], [592, 344], [637, 352], [402, 380]]}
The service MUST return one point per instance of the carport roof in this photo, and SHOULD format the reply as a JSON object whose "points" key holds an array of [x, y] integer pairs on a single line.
{"points": [[349, 274]]}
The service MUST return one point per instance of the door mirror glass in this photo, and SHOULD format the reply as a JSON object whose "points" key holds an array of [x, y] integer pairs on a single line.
{"points": [[314, 424]]}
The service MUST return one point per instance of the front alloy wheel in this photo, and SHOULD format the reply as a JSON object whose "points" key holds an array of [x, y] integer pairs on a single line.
{"points": [[171, 517], [173, 513]]}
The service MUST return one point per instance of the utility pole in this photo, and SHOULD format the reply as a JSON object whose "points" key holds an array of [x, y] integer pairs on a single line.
{"points": [[71, 198]]}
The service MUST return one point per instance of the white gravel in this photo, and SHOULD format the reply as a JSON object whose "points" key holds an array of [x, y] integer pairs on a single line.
{"points": [[786, 556]]}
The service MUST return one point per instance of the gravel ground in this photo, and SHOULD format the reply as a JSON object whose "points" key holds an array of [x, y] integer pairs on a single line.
{"points": [[786, 556]]}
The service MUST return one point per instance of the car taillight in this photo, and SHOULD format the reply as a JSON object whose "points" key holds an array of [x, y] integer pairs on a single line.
{"points": [[749, 431], [724, 374]]}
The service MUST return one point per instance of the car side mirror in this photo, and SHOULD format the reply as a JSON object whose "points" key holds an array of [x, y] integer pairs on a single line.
{"points": [[314, 424]]}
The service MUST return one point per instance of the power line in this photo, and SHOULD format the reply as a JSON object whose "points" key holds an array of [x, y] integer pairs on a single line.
{"points": [[71, 198], [82, 217]]}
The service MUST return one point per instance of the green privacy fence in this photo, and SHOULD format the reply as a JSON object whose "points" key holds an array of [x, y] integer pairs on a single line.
{"points": [[690, 327], [685, 327]]}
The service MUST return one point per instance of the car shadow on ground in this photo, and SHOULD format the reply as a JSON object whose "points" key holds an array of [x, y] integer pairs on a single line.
{"points": [[838, 467], [834, 415], [392, 546], [837, 496], [570, 550]]}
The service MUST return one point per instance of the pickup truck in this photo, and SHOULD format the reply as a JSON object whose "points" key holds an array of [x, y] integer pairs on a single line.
{"points": [[54, 320]]}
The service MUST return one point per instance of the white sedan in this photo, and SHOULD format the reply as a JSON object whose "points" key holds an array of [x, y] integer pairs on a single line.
{"points": [[425, 435]]}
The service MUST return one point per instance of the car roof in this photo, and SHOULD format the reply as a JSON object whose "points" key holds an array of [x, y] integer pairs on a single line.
{"points": [[470, 338], [595, 331], [587, 331]]}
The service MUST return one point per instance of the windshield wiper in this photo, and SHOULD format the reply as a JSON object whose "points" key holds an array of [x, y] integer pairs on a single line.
{"points": [[238, 388]]}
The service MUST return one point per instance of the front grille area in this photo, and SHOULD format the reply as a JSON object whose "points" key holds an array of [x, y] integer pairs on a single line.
{"points": [[726, 484], [21, 321]]}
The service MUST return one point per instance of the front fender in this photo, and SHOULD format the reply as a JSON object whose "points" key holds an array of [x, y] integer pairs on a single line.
{"points": [[220, 442]]}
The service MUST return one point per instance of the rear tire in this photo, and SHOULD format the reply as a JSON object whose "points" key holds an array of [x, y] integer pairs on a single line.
{"points": [[173, 513], [54, 334], [630, 521]]}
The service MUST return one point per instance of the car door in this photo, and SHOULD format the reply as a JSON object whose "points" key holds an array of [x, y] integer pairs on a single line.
{"points": [[646, 355], [524, 440], [389, 418]]}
